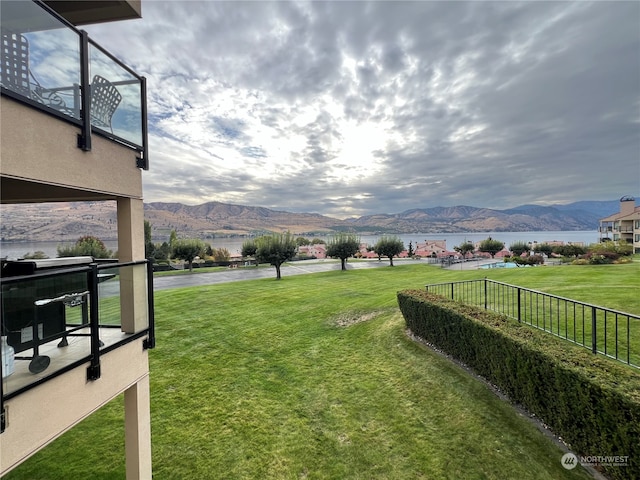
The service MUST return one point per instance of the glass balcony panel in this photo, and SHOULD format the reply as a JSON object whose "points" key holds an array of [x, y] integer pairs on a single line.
{"points": [[40, 57], [123, 309], [46, 322], [116, 98]]}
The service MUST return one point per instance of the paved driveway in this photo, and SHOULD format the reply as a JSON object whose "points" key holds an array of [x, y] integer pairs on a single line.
{"points": [[288, 269]]}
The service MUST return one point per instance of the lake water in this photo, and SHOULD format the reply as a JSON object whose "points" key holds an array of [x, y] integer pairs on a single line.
{"points": [[13, 250]]}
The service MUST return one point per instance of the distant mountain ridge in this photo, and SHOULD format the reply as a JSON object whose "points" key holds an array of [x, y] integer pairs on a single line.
{"points": [[68, 221]]}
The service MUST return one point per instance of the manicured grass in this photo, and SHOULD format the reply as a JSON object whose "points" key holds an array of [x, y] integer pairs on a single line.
{"points": [[611, 286], [280, 379]]}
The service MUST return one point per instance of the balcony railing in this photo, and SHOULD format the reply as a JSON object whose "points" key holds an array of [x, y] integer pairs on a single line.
{"points": [[64, 318], [604, 331], [50, 65]]}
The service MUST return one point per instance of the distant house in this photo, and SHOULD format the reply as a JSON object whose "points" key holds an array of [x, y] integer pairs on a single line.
{"points": [[431, 248], [623, 226], [319, 250]]}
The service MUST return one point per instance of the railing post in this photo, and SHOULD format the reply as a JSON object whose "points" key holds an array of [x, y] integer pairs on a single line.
{"points": [[150, 342], [3, 414], [485, 293], [84, 138], [519, 305], [143, 160], [452, 287], [93, 371], [594, 336]]}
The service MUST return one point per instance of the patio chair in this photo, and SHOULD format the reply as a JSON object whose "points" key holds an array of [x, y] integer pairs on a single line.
{"points": [[15, 64], [16, 74], [105, 99]]}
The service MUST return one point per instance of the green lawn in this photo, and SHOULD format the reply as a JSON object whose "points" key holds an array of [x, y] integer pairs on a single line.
{"points": [[613, 286], [313, 377]]}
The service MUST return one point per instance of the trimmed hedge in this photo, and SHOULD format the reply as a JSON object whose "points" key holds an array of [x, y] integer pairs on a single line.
{"points": [[593, 403]]}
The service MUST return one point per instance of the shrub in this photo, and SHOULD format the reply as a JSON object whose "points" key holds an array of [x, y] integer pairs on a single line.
{"points": [[86, 246], [590, 401], [618, 248]]}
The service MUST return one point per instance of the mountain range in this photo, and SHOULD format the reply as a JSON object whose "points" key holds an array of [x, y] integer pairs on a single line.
{"points": [[69, 221]]}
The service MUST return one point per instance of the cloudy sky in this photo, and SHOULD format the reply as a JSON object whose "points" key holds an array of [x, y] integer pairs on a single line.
{"points": [[353, 108]]}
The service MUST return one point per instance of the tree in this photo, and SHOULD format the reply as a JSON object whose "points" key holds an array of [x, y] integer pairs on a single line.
{"points": [[464, 248], [173, 236], [543, 248], [410, 251], [249, 248], [491, 246], [317, 241], [302, 241], [221, 255], [343, 246], [149, 247], [85, 246], [275, 249], [162, 252], [187, 249], [518, 248], [569, 250], [388, 247]]}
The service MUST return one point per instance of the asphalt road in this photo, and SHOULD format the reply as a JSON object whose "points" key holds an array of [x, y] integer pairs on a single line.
{"points": [[252, 273]]}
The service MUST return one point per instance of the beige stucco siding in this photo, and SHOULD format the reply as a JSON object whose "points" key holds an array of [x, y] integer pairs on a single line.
{"points": [[42, 148], [43, 413]]}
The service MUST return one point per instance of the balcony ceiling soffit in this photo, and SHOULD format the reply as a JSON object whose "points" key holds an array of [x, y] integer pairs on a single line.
{"points": [[16, 190], [86, 12]]}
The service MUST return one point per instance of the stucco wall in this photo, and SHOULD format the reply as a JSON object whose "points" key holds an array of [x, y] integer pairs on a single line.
{"points": [[42, 148]]}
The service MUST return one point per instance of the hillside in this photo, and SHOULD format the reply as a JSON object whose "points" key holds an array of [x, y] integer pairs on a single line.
{"points": [[68, 221]]}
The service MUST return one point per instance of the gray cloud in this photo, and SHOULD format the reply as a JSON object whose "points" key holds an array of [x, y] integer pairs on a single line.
{"points": [[348, 108]]}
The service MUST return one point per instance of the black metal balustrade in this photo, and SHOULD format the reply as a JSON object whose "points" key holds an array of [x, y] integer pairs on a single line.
{"points": [[50, 65], [58, 319], [602, 330]]}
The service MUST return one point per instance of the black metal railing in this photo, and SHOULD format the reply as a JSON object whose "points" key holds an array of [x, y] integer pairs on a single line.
{"points": [[59, 320], [49, 64], [604, 331]]}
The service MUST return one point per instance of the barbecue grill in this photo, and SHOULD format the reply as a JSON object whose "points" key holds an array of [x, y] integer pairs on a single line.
{"points": [[34, 310]]}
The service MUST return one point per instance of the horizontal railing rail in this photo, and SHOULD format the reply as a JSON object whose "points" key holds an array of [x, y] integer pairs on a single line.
{"points": [[604, 331], [49, 310]]}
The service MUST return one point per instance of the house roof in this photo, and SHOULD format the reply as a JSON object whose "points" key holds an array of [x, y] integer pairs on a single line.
{"points": [[619, 216]]}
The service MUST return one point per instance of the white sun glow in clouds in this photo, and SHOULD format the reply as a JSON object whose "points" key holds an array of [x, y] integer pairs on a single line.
{"points": [[356, 156]]}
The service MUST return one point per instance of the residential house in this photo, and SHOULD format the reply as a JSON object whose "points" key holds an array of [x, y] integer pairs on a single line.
{"points": [[623, 226], [317, 250], [431, 248], [76, 333]]}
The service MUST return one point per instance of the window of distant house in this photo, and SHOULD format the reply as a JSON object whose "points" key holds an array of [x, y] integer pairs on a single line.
{"points": [[616, 237], [637, 238], [637, 223]]}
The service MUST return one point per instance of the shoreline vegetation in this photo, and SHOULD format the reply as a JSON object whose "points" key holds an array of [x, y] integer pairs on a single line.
{"points": [[17, 249]]}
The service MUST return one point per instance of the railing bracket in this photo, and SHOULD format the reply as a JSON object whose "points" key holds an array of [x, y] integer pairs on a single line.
{"points": [[4, 419], [93, 372], [148, 344]]}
